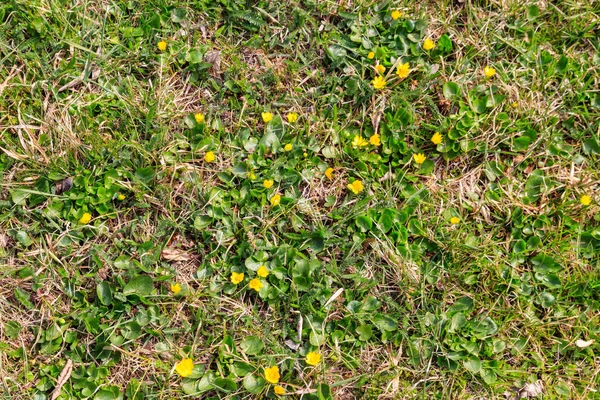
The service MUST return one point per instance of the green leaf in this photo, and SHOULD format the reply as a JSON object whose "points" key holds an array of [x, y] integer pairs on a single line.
{"points": [[140, 285], [546, 299], [462, 304], [544, 264], [178, 15], [252, 345], [365, 332], [131, 330], [336, 54], [23, 297], [24, 239], [364, 223], [253, 384], [450, 89], [324, 392], [12, 329], [444, 43], [387, 219], [225, 385], [145, 174], [104, 293], [472, 364], [385, 323], [371, 304], [273, 132], [19, 196], [194, 57]]}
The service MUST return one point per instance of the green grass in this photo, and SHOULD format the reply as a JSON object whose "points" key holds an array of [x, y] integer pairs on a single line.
{"points": [[468, 276]]}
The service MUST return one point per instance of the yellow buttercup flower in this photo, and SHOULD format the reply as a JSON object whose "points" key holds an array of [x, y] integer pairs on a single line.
{"points": [[329, 173], [162, 45], [428, 44], [292, 117], [121, 196], [278, 390], [371, 55], [209, 156], [262, 271], [489, 72], [255, 284], [356, 187], [85, 218], [176, 288], [454, 220], [437, 138], [272, 374], [275, 200], [375, 139], [419, 158], [288, 147], [267, 117], [403, 70], [396, 14], [313, 358], [379, 82], [359, 141], [236, 277], [267, 183], [185, 367], [380, 68], [251, 175], [585, 200], [199, 117]]}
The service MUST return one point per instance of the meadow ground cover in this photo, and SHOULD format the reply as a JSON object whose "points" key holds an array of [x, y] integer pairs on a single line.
{"points": [[305, 199]]}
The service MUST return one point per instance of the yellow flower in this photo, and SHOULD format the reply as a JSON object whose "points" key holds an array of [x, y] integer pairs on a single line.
{"points": [[454, 220], [185, 367], [292, 117], [403, 70], [329, 173], [267, 117], [199, 117], [359, 141], [489, 72], [255, 284], [275, 200], [356, 187], [162, 45], [428, 44], [375, 140], [380, 68], [272, 374], [585, 200], [279, 390], [236, 277], [379, 82], [313, 358], [121, 197], [267, 183], [514, 104], [288, 147], [251, 175], [176, 288], [262, 271], [436, 138], [396, 14], [85, 218], [209, 157], [419, 158], [371, 55]]}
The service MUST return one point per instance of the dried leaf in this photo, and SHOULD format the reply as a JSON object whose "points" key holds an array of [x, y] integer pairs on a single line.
{"points": [[175, 255], [62, 379], [64, 186], [582, 344], [530, 390]]}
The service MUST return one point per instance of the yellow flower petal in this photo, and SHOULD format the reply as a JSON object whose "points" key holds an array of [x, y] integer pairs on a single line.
{"points": [[275, 200], [292, 117], [236, 277], [356, 187], [428, 44], [375, 140], [489, 72], [403, 70], [313, 358], [185, 367], [267, 183], [380, 68], [85, 218], [371, 55], [256, 284], [262, 271], [267, 117], [379, 82], [209, 157], [396, 14], [288, 147], [419, 158], [162, 45], [436, 138], [278, 390], [585, 200], [199, 117], [176, 288], [454, 220], [329, 173], [272, 374]]}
